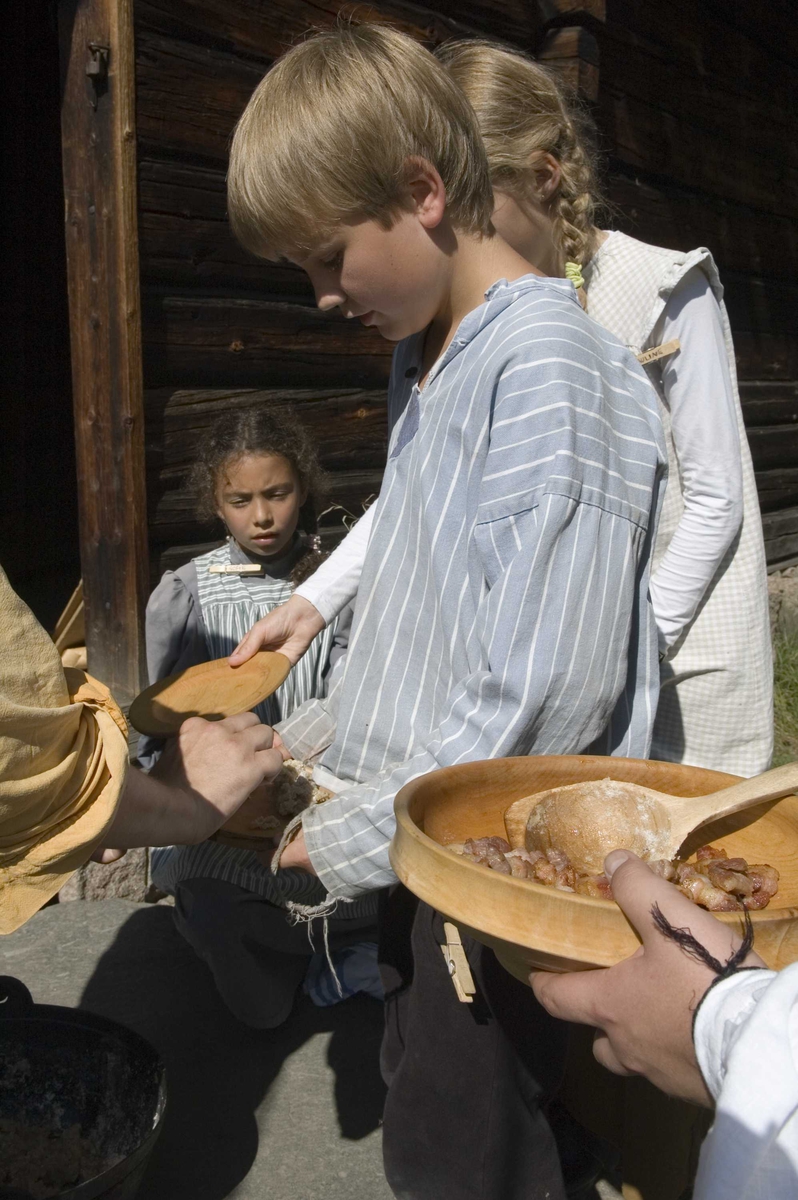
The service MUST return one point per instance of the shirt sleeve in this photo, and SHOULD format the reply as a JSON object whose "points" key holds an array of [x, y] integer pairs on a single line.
{"points": [[173, 624], [334, 584], [175, 640], [698, 389], [551, 640], [746, 1041]]}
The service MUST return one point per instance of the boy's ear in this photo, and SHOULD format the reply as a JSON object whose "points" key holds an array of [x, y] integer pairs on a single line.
{"points": [[426, 192], [548, 175]]}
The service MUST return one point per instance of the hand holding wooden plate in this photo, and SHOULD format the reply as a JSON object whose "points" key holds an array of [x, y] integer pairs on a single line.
{"points": [[212, 690]]}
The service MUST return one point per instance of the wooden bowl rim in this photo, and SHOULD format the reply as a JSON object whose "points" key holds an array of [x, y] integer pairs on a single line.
{"points": [[403, 818]]}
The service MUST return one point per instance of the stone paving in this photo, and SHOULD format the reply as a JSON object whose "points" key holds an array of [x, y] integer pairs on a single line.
{"points": [[286, 1114]]}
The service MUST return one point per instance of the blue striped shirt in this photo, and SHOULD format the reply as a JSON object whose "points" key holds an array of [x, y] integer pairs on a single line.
{"points": [[503, 606]]}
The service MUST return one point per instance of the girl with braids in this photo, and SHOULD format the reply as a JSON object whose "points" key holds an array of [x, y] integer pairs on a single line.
{"points": [[257, 472], [709, 584]]}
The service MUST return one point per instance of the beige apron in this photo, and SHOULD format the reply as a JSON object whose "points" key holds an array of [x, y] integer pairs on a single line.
{"points": [[716, 703]]}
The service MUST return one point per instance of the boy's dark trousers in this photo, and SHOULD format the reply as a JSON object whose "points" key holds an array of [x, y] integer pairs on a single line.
{"points": [[463, 1117]]}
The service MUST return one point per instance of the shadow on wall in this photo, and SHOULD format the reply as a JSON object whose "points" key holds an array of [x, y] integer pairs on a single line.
{"points": [[219, 1070]]}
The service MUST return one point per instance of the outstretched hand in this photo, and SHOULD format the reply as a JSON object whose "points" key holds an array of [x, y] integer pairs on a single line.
{"points": [[289, 628], [643, 1007]]}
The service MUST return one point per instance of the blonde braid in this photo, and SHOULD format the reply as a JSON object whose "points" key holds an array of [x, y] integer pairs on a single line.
{"points": [[524, 112], [573, 207]]}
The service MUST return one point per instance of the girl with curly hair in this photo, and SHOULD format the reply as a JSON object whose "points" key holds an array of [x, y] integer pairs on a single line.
{"points": [[256, 471]]}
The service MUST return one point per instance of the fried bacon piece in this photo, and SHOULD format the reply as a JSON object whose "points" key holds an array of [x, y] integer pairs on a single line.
{"points": [[704, 853], [766, 883], [697, 887], [722, 876]]}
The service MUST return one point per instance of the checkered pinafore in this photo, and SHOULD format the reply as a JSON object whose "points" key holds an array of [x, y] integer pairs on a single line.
{"points": [[716, 703]]}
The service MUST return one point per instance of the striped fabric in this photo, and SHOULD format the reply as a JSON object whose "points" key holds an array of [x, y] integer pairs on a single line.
{"points": [[230, 606], [503, 603]]}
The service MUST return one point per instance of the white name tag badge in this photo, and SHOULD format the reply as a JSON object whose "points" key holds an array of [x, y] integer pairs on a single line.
{"points": [[235, 569]]}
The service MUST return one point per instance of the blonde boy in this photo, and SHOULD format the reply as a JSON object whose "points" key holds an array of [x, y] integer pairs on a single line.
{"points": [[502, 607]]}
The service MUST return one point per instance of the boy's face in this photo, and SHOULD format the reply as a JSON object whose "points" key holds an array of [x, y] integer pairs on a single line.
{"points": [[395, 279]]}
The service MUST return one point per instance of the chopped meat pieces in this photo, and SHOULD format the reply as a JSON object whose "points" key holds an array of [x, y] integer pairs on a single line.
{"points": [[766, 883], [703, 853], [715, 881], [597, 886], [490, 851], [697, 887]]}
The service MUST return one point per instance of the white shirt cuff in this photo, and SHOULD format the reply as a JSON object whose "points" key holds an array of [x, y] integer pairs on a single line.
{"points": [[721, 1016]]}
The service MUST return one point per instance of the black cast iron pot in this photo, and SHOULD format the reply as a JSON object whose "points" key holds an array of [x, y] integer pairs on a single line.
{"points": [[60, 1067]]}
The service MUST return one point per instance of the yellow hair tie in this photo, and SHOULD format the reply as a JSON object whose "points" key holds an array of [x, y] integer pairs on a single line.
{"points": [[573, 271]]}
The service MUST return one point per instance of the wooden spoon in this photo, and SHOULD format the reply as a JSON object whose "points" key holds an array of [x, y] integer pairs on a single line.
{"points": [[588, 820]]}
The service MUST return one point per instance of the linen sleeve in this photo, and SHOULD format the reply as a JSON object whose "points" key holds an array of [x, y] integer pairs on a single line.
{"points": [[698, 389], [551, 639], [746, 1041], [334, 584]]}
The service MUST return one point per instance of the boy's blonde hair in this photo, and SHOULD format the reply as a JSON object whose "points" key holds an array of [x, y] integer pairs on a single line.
{"points": [[524, 113], [327, 134]]}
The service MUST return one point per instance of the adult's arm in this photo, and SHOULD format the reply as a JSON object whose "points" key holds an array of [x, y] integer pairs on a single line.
{"points": [[746, 1041], [643, 1007], [291, 627], [698, 388], [740, 1048], [199, 782]]}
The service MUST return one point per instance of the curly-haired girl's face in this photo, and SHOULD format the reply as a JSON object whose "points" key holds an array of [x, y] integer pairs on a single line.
{"points": [[259, 497]]}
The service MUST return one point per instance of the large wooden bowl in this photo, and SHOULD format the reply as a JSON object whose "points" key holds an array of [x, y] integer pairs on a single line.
{"points": [[530, 925]]}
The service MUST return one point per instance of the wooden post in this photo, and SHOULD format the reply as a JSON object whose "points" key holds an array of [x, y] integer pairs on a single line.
{"points": [[99, 163]]}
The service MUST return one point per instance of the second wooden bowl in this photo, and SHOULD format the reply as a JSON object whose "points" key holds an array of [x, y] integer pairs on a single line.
{"points": [[529, 925], [212, 690]]}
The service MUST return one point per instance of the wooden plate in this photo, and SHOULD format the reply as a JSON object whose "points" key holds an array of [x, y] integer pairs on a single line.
{"points": [[530, 925], [212, 690]]}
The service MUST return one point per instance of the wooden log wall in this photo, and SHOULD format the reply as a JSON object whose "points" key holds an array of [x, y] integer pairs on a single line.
{"points": [[693, 112], [696, 107], [219, 326]]}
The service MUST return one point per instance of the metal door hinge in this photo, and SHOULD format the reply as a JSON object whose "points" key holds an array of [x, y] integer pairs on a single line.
{"points": [[97, 68]]}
